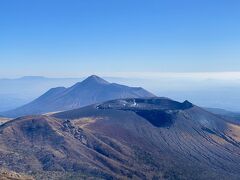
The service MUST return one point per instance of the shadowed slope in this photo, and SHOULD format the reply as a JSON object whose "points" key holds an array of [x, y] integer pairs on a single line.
{"points": [[193, 144]]}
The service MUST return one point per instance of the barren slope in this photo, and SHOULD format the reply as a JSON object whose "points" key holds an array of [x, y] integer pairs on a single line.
{"points": [[130, 138]]}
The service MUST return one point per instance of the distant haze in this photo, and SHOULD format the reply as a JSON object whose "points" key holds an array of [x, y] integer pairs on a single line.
{"points": [[218, 93]]}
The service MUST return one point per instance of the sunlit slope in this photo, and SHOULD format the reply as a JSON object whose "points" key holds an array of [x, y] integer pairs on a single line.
{"points": [[126, 139]]}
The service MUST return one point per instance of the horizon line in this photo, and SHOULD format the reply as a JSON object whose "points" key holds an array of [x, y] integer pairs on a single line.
{"points": [[224, 75]]}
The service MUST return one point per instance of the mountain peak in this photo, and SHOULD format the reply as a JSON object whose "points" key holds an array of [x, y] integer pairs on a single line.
{"points": [[95, 79], [90, 91]]}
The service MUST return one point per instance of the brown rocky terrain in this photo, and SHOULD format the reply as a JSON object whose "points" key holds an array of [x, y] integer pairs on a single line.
{"points": [[154, 138], [4, 120], [10, 175]]}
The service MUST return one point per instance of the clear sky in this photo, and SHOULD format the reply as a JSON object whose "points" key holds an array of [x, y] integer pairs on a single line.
{"points": [[78, 37]]}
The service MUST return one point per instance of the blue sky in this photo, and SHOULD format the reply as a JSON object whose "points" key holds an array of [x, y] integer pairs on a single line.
{"points": [[78, 37]]}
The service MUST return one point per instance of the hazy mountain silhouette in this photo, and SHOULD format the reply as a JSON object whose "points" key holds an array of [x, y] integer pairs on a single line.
{"points": [[92, 90], [146, 138], [233, 117], [17, 92]]}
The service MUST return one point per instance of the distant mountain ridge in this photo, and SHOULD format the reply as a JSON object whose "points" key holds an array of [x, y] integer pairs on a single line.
{"points": [[90, 91], [20, 91], [233, 117]]}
